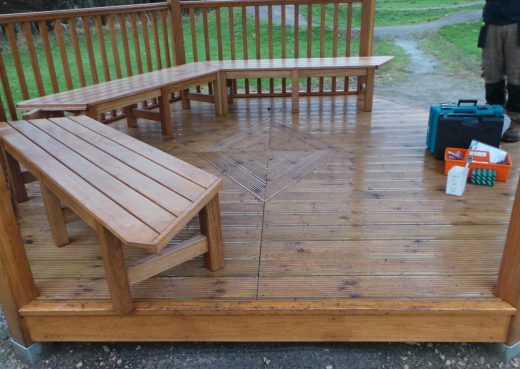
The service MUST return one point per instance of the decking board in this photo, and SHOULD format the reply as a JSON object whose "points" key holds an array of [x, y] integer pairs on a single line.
{"points": [[371, 221]]}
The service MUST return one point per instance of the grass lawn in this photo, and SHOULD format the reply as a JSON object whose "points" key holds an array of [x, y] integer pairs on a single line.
{"points": [[456, 47]]}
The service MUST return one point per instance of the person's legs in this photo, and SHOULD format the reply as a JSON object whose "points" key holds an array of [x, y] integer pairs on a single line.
{"points": [[512, 67], [493, 68]]}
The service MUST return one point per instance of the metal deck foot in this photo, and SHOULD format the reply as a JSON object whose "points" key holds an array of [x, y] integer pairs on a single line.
{"points": [[507, 353], [30, 354]]}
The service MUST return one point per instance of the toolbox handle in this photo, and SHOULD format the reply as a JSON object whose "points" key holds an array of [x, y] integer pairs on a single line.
{"points": [[469, 115], [467, 101]]}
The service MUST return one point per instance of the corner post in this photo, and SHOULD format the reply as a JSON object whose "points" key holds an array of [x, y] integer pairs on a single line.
{"points": [[177, 35], [508, 285], [366, 38], [17, 286]]}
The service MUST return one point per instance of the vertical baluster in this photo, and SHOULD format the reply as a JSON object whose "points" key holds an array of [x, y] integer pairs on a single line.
{"points": [[115, 49], [322, 40], [257, 39], [296, 31], [157, 45], [3, 115], [126, 46], [244, 43], [164, 27], [296, 51], [270, 41], [11, 37], [309, 42], [194, 41], [7, 89], [335, 41], [194, 36], [348, 43], [231, 33], [33, 57], [219, 34], [77, 52], [102, 48], [113, 41], [44, 36], [58, 30], [90, 49], [137, 45], [284, 39], [206, 41], [232, 50], [146, 39]]}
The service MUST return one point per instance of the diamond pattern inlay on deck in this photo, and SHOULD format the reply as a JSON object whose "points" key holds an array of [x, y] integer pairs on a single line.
{"points": [[266, 173]]}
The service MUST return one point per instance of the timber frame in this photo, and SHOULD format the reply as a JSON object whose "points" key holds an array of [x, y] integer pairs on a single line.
{"points": [[33, 320]]}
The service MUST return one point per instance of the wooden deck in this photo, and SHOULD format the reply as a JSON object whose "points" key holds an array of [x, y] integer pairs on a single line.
{"points": [[330, 203]]}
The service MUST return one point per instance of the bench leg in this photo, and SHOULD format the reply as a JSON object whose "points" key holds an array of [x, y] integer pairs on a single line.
{"points": [[185, 101], [361, 88], [209, 218], [92, 113], [369, 90], [295, 91], [115, 270], [166, 115], [232, 86], [55, 216], [220, 94], [131, 120], [16, 178]]}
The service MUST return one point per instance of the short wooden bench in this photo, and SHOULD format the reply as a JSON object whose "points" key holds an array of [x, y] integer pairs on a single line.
{"points": [[294, 69], [126, 93], [132, 194]]}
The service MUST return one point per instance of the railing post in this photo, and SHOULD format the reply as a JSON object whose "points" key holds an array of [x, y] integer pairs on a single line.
{"points": [[17, 286], [366, 39], [508, 285], [177, 32]]}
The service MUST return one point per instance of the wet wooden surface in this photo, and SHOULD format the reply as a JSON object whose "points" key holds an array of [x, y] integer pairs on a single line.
{"points": [[329, 203]]}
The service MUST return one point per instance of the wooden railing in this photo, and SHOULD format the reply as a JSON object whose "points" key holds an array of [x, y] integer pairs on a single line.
{"points": [[48, 52]]}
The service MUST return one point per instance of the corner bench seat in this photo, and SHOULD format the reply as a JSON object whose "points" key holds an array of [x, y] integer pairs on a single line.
{"points": [[127, 92], [131, 193]]}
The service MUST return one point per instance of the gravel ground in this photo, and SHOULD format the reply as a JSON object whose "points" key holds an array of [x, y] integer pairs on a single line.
{"points": [[425, 82]]}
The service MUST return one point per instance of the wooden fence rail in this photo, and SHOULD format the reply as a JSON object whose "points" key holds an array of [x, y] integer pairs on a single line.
{"points": [[48, 52]]}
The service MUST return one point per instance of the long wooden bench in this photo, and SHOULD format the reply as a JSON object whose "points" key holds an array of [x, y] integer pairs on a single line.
{"points": [[129, 192], [127, 92]]}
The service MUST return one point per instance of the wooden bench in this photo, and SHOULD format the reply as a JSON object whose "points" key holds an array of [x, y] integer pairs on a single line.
{"points": [[126, 93], [130, 193], [294, 69]]}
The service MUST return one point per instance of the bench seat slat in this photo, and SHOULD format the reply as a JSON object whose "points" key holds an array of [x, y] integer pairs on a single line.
{"points": [[165, 160], [75, 190], [181, 186], [142, 208], [146, 186]]}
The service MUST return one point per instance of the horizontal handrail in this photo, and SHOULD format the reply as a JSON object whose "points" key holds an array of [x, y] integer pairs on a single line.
{"points": [[86, 12], [240, 3]]}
